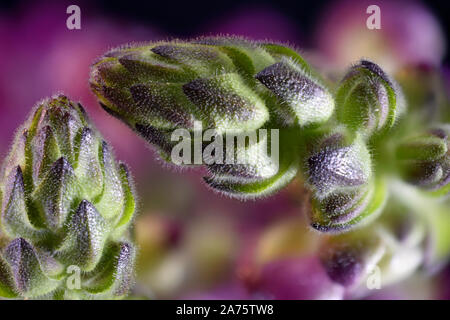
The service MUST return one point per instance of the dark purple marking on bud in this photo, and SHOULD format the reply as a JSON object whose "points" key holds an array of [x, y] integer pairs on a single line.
{"points": [[206, 95], [351, 213], [58, 184], [62, 168], [87, 136], [124, 269], [424, 173], [375, 69], [180, 53], [107, 158], [82, 110], [159, 106], [121, 101], [154, 136], [337, 204], [17, 155], [146, 69], [15, 217], [14, 187], [89, 230], [335, 167], [21, 257], [331, 228], [110, 111], [235, 170], [287, 83], [44, 155]]}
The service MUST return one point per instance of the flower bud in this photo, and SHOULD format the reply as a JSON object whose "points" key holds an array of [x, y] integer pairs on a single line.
{"points": [[345, 193], [255, 173], [305, 99], [424, 160], [66, 203], [343, 210], [387, 251], [368, 99], [226, 85], [340, 161]]}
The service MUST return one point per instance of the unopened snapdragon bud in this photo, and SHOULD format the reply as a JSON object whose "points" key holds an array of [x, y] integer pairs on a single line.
{"points": [[345, 192], [368, 99], [226, 85], [424, 160], [66, 203]]}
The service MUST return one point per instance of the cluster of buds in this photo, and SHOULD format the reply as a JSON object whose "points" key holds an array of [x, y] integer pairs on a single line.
{"points": [[349, 148], [229, 86], [424, 160], [66, 207]]}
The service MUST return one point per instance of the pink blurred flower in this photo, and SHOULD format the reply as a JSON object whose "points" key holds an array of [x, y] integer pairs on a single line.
{"points": [[228, 291], [295, 279], [409, 34]]}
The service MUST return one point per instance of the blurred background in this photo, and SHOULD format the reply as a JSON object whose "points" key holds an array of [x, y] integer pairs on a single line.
{"points": [[194, 243]]}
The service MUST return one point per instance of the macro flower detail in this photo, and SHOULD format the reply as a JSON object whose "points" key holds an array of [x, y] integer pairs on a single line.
{"points": [[368, 99], [344, 146], [338, 163], [225, 84], [308, 102], [66, 204], [345, 193], [424, 160]]}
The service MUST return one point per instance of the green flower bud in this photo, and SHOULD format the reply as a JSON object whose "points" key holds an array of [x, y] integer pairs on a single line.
{"points": [[225, 84], [345, 192], [343, 210], [66, 206], [340, 161], [306, 100], [424, 160], [260, 174], [368, 99]]}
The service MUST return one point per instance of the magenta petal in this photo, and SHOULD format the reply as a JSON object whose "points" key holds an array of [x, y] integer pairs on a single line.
{"points": [[257, 22]]}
